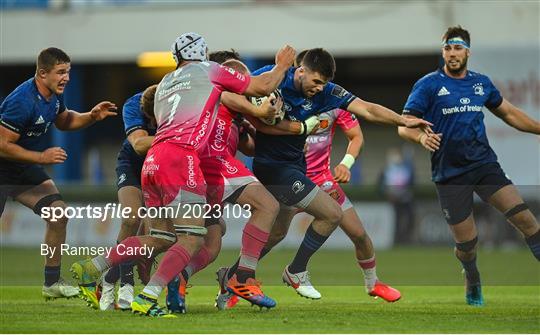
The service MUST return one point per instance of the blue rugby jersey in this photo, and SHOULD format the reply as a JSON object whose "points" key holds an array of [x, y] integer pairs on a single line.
{"points": [[455, 107], [134, 119], [271, 149], [26, 112]]}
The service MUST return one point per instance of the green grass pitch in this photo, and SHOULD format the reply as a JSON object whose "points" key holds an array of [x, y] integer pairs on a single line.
{"points": [[429, 279]]}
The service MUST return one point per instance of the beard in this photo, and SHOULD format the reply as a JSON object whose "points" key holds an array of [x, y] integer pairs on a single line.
{"points": [[460, 69]]}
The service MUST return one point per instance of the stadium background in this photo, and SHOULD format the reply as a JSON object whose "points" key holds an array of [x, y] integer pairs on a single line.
{"points": [[381, 49]]}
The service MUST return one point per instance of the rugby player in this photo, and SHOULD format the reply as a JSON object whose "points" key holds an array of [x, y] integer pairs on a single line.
{"points": [[280, 164], [26, 116], [185, 108], [139, 136], [462, 161]]}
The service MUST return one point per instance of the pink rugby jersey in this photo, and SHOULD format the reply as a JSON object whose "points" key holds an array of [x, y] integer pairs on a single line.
{"points": [[319, 145], [187, 101], [224, 137]]}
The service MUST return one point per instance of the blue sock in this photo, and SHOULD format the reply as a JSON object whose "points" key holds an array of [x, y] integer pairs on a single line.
{"points": [[126, 273], [52, 275], [533, 242], [471, 271], [311, 243]]}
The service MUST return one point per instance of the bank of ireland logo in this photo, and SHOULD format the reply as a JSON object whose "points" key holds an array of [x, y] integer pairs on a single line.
{"points": [[478, 89], [465, 101], [298, 186]]}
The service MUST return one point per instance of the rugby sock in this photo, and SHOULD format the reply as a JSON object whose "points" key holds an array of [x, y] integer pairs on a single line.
{"points": [[471, 271], [533, 242], [52, 275], [126, 273], [370, 272], [253, 241], [311, 243], [197, 263], [113, 274], [234, 267], [175, 258]]}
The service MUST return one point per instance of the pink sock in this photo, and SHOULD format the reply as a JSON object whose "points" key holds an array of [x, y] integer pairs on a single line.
{"points": [[119, 255], [253, 241], [174, 261], [198, 262]]}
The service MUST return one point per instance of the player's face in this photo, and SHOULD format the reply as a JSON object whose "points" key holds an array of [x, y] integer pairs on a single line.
{"points": [[455, 58], [311, 82], [57, 78]]}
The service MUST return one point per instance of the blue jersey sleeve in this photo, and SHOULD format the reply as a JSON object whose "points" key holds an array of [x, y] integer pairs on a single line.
{"points": [[15, 115], [419, 100], [262, 70], [132, 114], [495, 98], [337, 97]]}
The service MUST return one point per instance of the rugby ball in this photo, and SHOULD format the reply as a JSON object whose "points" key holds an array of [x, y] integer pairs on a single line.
{"points": [[276, 95]]}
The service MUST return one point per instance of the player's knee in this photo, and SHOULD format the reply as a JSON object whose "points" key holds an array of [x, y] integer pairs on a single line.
{"points": [[334, 215], [130, 223], [162, 239], [266, 204], [467, 247], [514, 211], [51, 207], [359, 239]]}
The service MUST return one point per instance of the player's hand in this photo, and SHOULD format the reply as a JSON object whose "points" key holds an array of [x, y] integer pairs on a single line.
{"points": [[269, 108], [102, 110], [424, 125], [310, 125], [53, 155], [431, 142], [285, 57], [342, 174]]}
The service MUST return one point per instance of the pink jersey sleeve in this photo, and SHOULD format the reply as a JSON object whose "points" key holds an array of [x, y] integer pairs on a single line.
{"points": [[227, 79], [346, 120]]}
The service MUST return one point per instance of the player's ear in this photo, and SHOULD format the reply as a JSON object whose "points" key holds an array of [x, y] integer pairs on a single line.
{"points": [[41, 73]]}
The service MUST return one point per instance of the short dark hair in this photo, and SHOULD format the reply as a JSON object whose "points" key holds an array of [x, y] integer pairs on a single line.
{"points": [[147, 101], [222, 56], [320, 61], [300, 57], [457, 31], [50, 57], [236, 65]]}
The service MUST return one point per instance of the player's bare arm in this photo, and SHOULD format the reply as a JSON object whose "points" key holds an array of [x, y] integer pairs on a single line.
{"points": [[140, 141], [246, 145], [9, 149], [516, 118], [342, 171], [430, 141], [379, 114], [72, 120], [267, 82], [240, 104]]}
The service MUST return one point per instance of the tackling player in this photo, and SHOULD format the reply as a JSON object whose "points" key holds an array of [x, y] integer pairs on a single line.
{"points": [[26, 115], [462, 161], [280, 164], [185, 108]]}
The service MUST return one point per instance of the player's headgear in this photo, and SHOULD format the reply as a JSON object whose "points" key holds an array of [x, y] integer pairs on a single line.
{"points": [[189, 46]]}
